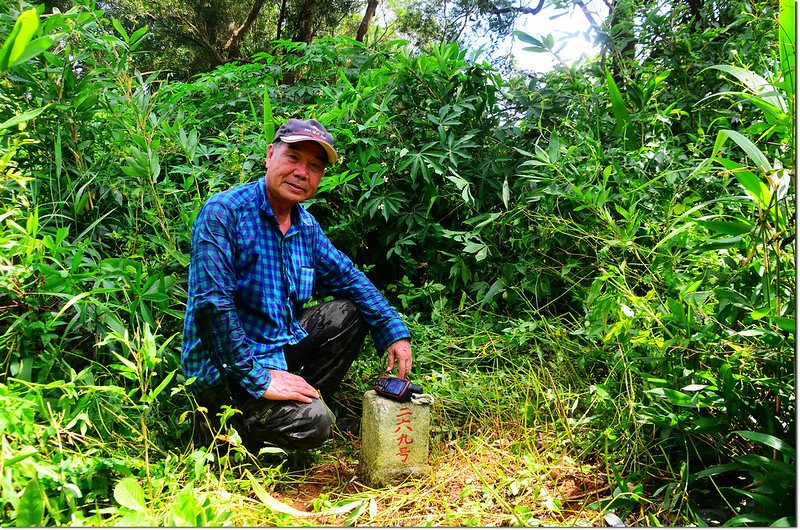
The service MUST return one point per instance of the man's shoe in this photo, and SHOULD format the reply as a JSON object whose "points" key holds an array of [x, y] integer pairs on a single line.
{"points": [[350, 427]]}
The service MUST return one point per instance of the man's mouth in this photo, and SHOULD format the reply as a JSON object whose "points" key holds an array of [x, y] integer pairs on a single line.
{"points": [[296, 187]]}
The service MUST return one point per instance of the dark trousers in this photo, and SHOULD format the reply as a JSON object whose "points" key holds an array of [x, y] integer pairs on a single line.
{"points": [[336, 332]]}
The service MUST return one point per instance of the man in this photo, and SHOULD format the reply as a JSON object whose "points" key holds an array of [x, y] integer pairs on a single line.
{"points": [[257, 256]]}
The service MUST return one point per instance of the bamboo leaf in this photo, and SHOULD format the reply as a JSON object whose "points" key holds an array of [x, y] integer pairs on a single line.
{"points": [[528, 39], [34, 48], [786, 41], [673, 396], [120, 30], [22, 118], [25, 28], [269, 121], [618, 107], [753, 152], [770, 441], [731, 228], [756, 84], [755, 186], [271, 502]]}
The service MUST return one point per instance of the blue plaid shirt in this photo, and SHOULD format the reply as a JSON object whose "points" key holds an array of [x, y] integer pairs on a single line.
{"points": [[253, 281]]}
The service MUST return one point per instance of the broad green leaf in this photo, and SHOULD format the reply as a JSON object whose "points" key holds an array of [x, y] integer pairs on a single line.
{"points": [[269, 121], [25, 116], [5, 51], [786, 39], [768, 503], [528, 39], [160, 388], [673, 396], [716, 244], [34, 48], [271, 502], [69, 304], [759, 462], [617, 105], [24, 29], [30, 510], [770, 441], [713, 471], [496, 287], [731, 228], [120, 29], [786, 324], [749, 180], [756, 84], [136, 37], [753, 152], [749, 519], [129, 493]]}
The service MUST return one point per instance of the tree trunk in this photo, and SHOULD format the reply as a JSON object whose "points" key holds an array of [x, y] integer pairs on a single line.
{"points": [[231, 48], [372, 6], [304, 32], [281, 18]]}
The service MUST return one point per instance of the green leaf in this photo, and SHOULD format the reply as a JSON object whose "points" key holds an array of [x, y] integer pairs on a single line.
{"points": [[160, 388], [129, 493], [786, 324], [617, 105], [34, 48], [730, 228], [770, 441], [749, 180], [24, 29], [528, 39], [120, 29], [753, 152], [271, 502], [22, 118], [749, 519], [269, 121], [673, 396], [496, 287], [30, 510], [713, 471], [756, 84], [786, 40]]}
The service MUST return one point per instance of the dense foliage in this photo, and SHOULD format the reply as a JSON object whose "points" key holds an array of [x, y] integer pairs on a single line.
{"points": [[622, 239]]}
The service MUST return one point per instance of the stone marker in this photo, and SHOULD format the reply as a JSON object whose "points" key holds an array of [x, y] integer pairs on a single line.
{"points": [[394, 440]]}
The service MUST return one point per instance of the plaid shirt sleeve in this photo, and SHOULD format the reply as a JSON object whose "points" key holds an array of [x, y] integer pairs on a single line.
{"points": [[338, 276], [213, 280]]}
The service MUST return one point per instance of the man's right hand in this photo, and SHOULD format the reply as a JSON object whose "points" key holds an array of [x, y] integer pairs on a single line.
{"points": [[288, 386]]}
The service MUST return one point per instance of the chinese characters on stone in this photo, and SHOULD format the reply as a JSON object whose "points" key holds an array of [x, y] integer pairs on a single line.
{"points": [[404, 432]]}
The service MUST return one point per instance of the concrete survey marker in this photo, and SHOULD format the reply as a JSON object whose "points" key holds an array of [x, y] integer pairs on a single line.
{"points": [[394, 440]]}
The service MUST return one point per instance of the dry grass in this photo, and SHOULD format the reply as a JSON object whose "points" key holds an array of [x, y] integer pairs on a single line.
{"points": [[475, 480]]}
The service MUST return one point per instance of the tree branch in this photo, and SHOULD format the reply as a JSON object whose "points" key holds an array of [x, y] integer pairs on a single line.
{"points": [[520, 10], [588, 15], [232, 45]]}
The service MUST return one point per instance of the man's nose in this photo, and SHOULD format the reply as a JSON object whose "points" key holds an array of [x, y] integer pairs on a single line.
{"points": [[301, 170]]}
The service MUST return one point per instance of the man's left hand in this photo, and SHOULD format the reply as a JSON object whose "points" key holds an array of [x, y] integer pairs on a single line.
{"points": [[399, 353]]}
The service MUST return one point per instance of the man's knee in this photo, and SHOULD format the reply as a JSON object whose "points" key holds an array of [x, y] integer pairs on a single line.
{"points": [[336, 316], [313, 425], [289, 425]]}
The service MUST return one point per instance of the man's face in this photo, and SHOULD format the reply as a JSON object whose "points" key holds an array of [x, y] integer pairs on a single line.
{"points": [[293, 172]]}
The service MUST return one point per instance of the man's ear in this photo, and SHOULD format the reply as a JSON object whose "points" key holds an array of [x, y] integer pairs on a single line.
{"points": [[270, 151]]}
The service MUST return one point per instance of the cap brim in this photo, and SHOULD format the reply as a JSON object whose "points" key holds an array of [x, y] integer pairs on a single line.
{"points": [[329, 150]]}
